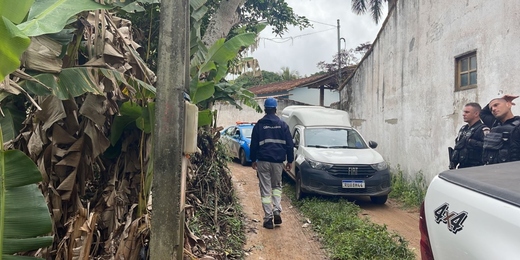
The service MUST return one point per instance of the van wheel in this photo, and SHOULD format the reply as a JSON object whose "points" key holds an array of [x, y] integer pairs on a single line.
{"points": [[299, 193], [380, 200], [242, 157]]}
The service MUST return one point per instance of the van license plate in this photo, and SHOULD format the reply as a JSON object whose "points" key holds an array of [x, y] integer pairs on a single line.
{"points": [[353, 184]]}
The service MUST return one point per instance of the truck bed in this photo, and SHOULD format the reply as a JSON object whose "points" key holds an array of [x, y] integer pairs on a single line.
{"points": [[499, 181], [473, 213]]}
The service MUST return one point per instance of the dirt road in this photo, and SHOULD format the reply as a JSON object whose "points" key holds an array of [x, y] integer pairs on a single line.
{"points": [[403, 222], [294, 239]]}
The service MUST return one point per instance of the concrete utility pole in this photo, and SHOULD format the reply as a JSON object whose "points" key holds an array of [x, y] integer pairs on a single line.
{"points": [[167, 231], [339, 57]]}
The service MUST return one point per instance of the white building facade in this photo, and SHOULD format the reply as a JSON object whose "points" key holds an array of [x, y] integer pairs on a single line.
{"points": [[430, 59], [311, 96]]}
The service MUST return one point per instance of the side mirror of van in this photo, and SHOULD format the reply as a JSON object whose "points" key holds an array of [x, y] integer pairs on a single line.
{"points": [[372, 144]]}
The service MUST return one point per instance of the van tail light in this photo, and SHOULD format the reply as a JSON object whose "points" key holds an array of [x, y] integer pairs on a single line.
{"points": [[426, 248]]}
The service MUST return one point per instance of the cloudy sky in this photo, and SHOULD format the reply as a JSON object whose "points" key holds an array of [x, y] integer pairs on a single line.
{"points": [[302, 50]]}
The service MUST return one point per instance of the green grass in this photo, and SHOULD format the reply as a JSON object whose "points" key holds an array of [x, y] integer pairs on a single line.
{"points": [[345, 234], [408, 191]]}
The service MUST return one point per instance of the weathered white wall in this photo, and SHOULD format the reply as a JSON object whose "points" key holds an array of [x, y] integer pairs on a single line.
{"points": [[311, 96], [228, 115], [403, 93]]}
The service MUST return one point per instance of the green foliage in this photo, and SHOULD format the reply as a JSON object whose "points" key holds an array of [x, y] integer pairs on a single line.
{"points": [[73, 82], [14, 42], [205, 117], [345, 57], [12, 121], [24, 216], [345, 234], [410, 192], [129, 113], [51, 16], [235, 95], [208, 67], [134, 6], [214, 67], [43, 17], [15, 11], [146, 24], [375, 7], [146, 121], [247, 80], [278, 15], [12, 46], [288, 74]]}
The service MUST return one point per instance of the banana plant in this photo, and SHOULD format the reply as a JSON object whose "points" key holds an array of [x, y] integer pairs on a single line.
{"points": [[25, 220], [43, 17], [209, 66]]}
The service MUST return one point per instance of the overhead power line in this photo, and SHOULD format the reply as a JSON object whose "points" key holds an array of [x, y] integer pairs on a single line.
{"points": [[282, 40]]}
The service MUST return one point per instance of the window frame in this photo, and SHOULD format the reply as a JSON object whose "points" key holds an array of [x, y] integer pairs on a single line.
{"points": [[297, 137], [458, 72]]}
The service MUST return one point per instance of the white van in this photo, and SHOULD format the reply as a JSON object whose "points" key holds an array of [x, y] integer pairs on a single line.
{"points": [[332, 158]]}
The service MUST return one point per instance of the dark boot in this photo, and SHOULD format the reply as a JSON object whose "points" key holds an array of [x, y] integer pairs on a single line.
{"points": [[269, 224], [277, 218]]}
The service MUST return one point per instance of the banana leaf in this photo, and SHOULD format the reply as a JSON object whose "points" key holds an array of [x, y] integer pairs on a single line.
{"points": [[205, 117], [73, 82], [15, 10], [130, 112], [12, 45], [220, 53], [11, 123], [51, 16], [24, 216]]}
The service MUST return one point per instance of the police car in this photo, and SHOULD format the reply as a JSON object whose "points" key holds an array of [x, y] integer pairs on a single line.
{"points": [[237, 140]]}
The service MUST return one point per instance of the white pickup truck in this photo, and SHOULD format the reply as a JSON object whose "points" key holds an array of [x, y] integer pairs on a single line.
{"points": [[472, 213]]}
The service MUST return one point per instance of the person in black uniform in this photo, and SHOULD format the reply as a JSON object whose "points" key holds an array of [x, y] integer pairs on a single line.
{"points": [[470, 140], [502, 144], [271, 145]]}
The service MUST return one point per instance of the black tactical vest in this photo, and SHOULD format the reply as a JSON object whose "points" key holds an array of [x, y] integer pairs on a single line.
{"points": [[498, 145], [462, 154]]}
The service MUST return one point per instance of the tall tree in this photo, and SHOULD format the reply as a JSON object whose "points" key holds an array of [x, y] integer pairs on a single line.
{"points": [[223, 16], [347, 58], [375, 7], [220, 21]]}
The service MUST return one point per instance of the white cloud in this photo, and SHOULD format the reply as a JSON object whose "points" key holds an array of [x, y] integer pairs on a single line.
{"points": [[302, 50]]}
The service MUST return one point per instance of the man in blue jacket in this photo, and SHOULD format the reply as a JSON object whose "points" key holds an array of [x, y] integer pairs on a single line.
{"points": [[271, 145]]}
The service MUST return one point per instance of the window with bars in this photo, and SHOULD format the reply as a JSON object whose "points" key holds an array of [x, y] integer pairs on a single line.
{"points": [[466, 71]]}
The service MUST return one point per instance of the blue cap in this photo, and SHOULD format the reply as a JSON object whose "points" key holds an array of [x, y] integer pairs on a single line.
{"points": [[270, 103]]}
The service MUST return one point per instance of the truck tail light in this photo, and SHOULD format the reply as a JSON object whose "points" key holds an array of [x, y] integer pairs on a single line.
{"points": [[426, 248]]}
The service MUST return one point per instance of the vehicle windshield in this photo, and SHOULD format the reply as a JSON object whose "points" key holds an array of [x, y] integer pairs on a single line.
{"points": [[334, 138], [247, 132]]}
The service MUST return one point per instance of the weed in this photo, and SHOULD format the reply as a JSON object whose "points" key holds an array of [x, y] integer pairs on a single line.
{"points": [[410, 192], [345, 234]]}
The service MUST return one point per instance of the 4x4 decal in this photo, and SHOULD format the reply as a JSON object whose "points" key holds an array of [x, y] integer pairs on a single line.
{"points": [[454, 220]]}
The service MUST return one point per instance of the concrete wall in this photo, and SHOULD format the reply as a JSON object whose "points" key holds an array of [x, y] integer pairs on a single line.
{"points": [[312, 96], [228, 115], [403, 93]]}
